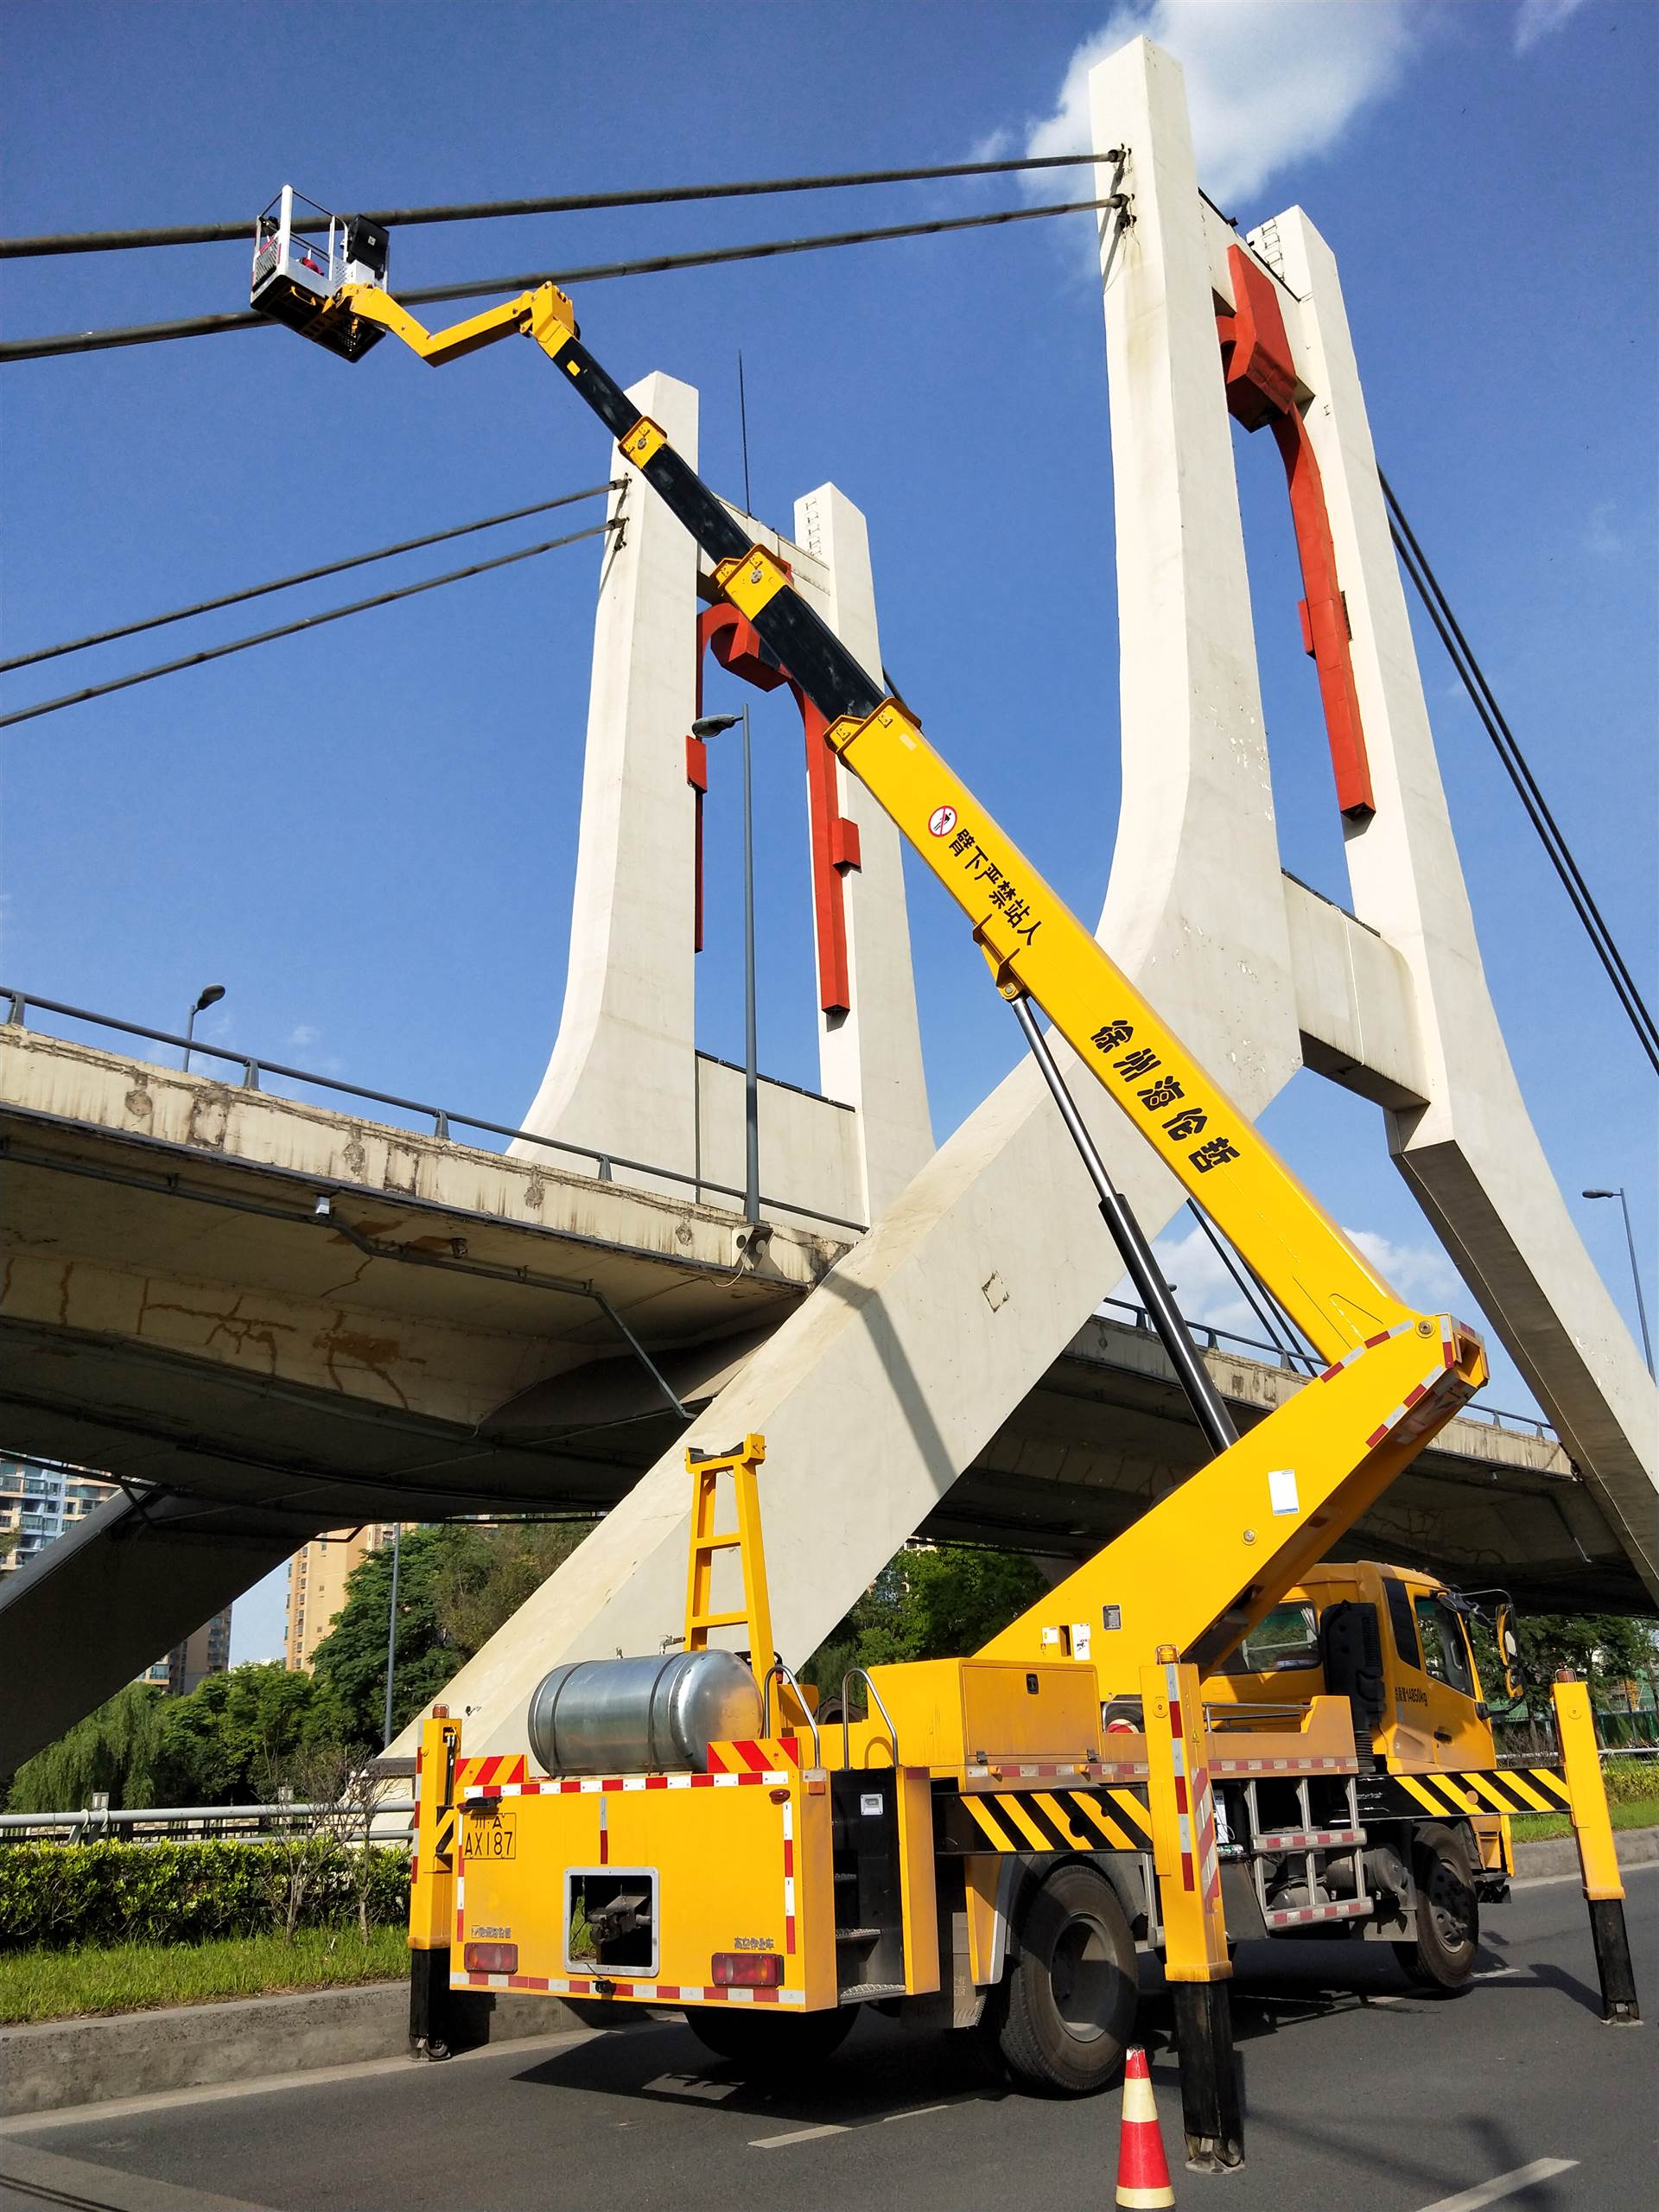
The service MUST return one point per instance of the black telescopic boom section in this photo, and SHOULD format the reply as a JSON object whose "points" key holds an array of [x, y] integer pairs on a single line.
{"points": [[803, 641], [1136, 1253]]}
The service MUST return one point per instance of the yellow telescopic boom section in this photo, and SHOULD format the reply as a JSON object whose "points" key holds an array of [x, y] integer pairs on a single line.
{"points": [[1036, 945], [1207, 1562]]}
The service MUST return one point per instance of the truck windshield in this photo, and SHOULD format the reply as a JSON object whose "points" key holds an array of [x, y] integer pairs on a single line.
{"points": [[1286, 1638], [1444, 1653]]}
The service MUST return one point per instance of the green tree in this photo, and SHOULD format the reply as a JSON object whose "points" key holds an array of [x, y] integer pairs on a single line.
{"points": [[349, 1665], [114, 1749], [932, 1601], [222, 1745], [455, 1586], [479, 1589], [1605, 1649]]}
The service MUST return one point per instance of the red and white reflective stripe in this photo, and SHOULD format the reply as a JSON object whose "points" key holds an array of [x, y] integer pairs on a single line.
{"points": [[645, 1993], [789, 1877], [1284, 1766], [1307, 1839], [1178, 1750], [753, 1755], [1399, 1329], [1294, 1916], [460, 1898], [604, 1833], [591, 1785], [1394, 1419], [496, 1772]]}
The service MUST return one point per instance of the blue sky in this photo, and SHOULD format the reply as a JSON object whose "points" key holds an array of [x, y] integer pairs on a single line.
{"points": [[367, 834]]}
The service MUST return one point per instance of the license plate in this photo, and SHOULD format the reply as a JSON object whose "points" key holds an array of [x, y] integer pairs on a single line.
{"points": [[493, 1838]]}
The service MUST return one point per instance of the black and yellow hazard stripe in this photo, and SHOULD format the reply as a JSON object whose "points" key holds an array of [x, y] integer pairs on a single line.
{"points": [[1044, 1819], [1462, 1792], [443, 1841]]}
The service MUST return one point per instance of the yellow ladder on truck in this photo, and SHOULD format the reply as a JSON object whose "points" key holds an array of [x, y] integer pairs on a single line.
{"points": [[754, 1614]]}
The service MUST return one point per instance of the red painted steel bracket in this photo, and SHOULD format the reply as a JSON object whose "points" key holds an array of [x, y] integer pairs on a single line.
{"points": [[833, 838], [1262, 388]]}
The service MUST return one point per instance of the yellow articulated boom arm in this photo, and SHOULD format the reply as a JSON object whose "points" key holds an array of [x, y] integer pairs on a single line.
{"points": [[1201, 1567]]}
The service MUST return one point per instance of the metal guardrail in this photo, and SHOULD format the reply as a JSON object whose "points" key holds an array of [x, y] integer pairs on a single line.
{"points": [[227, 1823], [442, 1118], [1302, 1363]]}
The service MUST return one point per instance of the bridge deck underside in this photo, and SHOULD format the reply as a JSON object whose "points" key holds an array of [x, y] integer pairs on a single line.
{"points": [[490, 1337]]}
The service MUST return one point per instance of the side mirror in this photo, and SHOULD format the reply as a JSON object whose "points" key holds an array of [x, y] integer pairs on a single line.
{"points": [[1509, 1651]]}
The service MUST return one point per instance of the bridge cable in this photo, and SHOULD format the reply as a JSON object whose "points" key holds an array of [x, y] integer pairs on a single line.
{"points": [[1287, 1350], [304, 577], [209, 326], [476, 211], [1550, 835], [306, 622]]}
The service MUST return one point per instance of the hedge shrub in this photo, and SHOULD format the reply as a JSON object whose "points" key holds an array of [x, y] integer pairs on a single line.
{"points": [[58, 1894]]}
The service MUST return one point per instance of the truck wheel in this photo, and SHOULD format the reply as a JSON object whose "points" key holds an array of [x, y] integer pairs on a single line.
{"points": [[1068, 2004], [762, 2040], [1448, 1916]]}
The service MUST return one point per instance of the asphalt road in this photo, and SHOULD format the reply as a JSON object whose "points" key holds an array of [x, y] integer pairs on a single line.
{"points": [[1358, 2092]]}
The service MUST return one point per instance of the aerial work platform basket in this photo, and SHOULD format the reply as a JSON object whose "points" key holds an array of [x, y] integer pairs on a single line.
{"points": [[302, 257]]}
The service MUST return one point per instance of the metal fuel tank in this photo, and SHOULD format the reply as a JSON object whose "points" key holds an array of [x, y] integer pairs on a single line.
{"points": [[653, 1715]]}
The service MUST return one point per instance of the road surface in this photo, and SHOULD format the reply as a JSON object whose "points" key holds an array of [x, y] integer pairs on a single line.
{"points": [[1359, 2091]]}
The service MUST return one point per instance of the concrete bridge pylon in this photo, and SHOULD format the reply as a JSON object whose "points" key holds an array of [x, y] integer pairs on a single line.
{"points": [[881, 1387]]}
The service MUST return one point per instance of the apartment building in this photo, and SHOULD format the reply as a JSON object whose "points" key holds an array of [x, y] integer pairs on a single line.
{"points": [[317, 1575], [39, 1504]]}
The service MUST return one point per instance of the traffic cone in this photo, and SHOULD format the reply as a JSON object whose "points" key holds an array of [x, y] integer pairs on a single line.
{"points": [[1143, 2169]]}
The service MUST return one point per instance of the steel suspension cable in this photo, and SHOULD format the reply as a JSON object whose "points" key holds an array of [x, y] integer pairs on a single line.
{"points": [[301, 577], [306, 622], [1428, 588], [211, 326], [1287, 1348], [475, 210]]}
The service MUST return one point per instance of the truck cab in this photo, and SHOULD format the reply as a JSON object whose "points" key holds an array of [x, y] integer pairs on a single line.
{"points": [[1393, 1642]]}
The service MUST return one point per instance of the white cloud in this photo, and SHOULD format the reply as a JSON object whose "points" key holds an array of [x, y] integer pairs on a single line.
{"points": [[1599, 535], [1536, 19], [303, 1033], [1206, 1293], [1419, 1272], [1268, 82]]}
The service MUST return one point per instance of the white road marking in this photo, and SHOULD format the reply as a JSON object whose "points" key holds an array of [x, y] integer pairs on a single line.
{"points": [[798, 2135], [1498, 1973], [1488, 2192], [916, 2112]]}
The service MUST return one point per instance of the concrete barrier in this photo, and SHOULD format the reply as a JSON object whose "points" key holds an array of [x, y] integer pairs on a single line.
{"points": [[53, 2063], [1558, 1854]]}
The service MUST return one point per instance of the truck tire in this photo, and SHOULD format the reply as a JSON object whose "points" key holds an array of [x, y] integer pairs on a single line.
{"points": [[763, 2041], [1067, 2005], [1442, 1955]]}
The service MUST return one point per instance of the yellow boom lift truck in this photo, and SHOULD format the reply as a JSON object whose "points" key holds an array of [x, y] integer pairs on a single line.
{"points": [[1202, 1734]]}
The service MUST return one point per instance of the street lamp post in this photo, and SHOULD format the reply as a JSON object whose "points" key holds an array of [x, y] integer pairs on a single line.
{"points": [[211, 996], [391, 1630], [1636, 1271], [711, 726]]}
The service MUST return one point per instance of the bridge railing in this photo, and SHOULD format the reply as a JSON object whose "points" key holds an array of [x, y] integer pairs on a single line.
{"points": [[387, 1822], [1297, 1362], [444, 1119]]}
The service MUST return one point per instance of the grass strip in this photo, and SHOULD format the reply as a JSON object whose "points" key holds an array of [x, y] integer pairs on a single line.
{"points": [[52, 1985], [1538, 1827]]}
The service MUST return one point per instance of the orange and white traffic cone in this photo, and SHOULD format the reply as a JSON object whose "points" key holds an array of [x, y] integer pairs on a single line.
{"points": [[1143, 2169]]}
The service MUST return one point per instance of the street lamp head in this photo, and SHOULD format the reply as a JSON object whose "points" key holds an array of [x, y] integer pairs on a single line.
{"points": [[211, 996], [712, 725], [1604, 1194]]}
